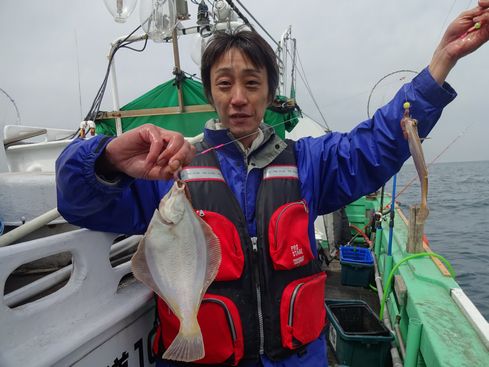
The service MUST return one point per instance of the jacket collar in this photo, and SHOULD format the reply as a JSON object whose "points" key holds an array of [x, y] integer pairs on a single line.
{"points": [[269, 149]]}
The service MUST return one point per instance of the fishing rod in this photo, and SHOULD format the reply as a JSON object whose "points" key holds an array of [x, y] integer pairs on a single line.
{"points": [[388, 258], [380, 81], [378, 224]]}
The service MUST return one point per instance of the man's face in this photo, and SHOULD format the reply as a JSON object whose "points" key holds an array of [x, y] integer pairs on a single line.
{"points": [[240, 94]]}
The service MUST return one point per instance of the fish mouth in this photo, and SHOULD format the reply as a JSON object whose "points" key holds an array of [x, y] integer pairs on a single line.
{"points": [[180, 184]]}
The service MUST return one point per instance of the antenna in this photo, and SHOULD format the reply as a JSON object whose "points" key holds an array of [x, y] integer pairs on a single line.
{"points": [[78, 73]]}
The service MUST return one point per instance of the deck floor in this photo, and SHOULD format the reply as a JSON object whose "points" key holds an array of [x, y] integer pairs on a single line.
{"points": [[335, 290]]}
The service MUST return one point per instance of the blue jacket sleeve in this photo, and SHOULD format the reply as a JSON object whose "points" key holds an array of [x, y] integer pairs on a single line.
{"points": [[338, 168], [84, 199]]}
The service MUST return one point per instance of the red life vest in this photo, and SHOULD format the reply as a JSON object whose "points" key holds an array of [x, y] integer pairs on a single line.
{"points": [[268, 296]]}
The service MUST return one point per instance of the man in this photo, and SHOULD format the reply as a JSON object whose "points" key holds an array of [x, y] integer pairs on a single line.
{"points": [[269, 297]]}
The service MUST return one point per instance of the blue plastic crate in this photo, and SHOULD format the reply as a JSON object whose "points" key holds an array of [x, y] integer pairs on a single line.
{"points": [[352, 254], [357, 266]]}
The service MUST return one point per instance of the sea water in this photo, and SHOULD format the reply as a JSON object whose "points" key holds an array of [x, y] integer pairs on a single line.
{"points": [[458, 224]]}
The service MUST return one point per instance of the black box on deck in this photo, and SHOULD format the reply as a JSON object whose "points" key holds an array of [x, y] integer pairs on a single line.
{"points": [[356, 335]]}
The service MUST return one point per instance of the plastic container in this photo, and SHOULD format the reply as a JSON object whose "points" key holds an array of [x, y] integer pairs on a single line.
{"points": [[357, 266], [356, 335]]}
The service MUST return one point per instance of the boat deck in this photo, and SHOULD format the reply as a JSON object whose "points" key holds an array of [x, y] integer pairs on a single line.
{"points": [[335, 290]]}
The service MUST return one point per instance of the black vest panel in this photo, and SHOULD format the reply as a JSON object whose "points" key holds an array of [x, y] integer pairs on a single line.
{"points": [[259, 280]]}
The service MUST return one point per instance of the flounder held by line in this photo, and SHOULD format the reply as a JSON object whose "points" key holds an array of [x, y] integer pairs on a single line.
{"points": [[178, 258]]}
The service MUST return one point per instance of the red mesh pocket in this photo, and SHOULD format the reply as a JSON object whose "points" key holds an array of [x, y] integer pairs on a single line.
{"points": [[288, 236], [302, 311], [220, 325], [232, 259]]}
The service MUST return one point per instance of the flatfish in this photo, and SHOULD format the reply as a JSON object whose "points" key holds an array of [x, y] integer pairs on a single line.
{"points": [[178, 258], [410, 130]]}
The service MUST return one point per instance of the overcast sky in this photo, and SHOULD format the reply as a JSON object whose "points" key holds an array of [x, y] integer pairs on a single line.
{"points": [[52, 49]]}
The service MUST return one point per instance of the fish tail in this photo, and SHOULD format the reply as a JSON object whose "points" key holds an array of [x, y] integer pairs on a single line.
{"points": [[186, 347]]}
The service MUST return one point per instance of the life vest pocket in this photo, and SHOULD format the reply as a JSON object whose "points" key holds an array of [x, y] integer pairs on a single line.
{"points": [[232, 259], [288, 236], [302, 311], [220, 325]]}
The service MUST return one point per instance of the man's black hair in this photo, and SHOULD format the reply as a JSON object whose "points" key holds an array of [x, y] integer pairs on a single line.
{"points": [[253, 47]]}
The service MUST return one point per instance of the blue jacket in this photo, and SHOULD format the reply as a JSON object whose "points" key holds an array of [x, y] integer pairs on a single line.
{"points": [[334, 170]]}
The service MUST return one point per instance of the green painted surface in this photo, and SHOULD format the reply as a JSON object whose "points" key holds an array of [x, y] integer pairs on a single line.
{"points": [[447, 338]]}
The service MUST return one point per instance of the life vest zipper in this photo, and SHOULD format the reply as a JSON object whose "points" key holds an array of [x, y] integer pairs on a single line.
{"points": [[284, 209], [292, 302], [254, 244]]}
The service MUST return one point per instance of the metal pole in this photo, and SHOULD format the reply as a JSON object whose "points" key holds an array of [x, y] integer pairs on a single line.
{"points": [[115, 97], [177, 70], [28, 227], [396, 359], [378, 241], [388, 259], [412, 342]]}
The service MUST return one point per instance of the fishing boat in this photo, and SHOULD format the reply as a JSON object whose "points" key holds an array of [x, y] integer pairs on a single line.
{"points": [[69, 297]]}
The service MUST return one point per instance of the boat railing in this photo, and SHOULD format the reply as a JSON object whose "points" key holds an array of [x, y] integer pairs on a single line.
{"points": [[95, 303], [33, 149]]}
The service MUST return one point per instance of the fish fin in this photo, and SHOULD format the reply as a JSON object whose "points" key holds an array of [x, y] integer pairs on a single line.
{"points": [[186, 348], [140, 268], [214, 254]]}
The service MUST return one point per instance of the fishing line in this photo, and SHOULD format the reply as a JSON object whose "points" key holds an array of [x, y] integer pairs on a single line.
{"points": [[265, 128], [446, 18]]}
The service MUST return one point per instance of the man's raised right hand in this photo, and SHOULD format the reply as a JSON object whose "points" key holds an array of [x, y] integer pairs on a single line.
{"points": [[147, 152]]}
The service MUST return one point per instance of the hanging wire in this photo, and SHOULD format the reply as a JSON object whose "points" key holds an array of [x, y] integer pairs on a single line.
{"points": [[258, 23], [238, 12], [13, 103], [308, 88], [95, 107]]}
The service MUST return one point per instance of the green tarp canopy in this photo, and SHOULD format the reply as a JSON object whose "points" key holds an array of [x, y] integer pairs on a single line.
{"points": [[189, 124]]}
